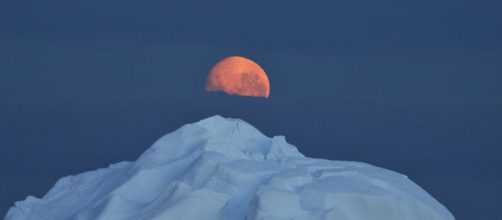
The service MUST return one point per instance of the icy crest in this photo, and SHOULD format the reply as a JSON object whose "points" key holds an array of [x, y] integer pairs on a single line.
{"points": [[232, 138], [222, 168]]}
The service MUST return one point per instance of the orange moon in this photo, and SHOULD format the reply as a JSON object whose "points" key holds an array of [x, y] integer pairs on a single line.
{"points": [[238, 76]]}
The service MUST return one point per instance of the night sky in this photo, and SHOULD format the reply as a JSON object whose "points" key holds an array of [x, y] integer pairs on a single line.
{"points": [[411, 86]]}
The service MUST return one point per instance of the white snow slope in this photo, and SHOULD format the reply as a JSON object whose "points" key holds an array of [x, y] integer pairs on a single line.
{"points": [[222, 168]]}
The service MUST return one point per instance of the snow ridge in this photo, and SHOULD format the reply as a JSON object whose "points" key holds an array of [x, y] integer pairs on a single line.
{"points": [[221, 168]]}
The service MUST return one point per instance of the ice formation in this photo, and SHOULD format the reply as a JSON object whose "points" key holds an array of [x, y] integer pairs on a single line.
{"points": [[225, 169]]}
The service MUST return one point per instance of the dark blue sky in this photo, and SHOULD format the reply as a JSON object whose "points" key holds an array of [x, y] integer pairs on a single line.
{"points": [[412, 86]]}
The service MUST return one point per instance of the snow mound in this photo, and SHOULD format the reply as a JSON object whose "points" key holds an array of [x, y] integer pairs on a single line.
{"points": [[222, 168]]}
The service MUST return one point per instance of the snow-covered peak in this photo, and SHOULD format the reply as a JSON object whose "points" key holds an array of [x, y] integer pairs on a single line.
{"points": [[233, 138], [225, 169], [219, 126]]}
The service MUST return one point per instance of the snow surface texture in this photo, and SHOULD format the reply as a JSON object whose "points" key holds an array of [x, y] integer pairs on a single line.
{"points": [[222, 168]]}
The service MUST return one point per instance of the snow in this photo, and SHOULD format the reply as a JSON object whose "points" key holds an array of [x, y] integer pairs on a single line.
{"points": [[221, 168]]}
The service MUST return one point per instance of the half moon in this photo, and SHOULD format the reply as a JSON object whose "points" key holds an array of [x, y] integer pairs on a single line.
{"points": [[237, 75]]}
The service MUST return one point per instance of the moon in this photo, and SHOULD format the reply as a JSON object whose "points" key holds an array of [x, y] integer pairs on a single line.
{"points": [[237, 75]]}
